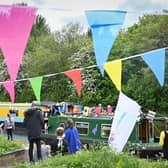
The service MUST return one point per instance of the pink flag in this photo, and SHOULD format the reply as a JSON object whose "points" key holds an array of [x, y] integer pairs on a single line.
{"points": [[15, 26], [75, 75], [9, 86]]}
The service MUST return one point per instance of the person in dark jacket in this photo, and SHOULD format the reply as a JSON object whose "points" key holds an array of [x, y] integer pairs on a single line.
{"points": [[33, 121], [72, 136]]}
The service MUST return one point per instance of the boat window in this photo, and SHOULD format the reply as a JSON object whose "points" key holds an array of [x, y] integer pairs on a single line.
{"points": [[83, 128], [14, 113], [105, 130]]}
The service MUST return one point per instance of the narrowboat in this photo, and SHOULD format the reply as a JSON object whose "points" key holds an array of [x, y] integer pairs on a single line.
{"points": [[97, 128]]}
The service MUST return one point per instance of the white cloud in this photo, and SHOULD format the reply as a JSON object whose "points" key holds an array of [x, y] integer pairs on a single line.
{"points": [[60, 12]]}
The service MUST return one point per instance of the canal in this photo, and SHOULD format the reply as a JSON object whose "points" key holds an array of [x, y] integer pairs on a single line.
{"points": [[16, 135]]}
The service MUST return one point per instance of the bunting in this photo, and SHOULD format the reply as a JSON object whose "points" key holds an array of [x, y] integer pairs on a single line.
{"points": [[125, 116], [36, 85], [15, 26], [75, 75], [16, 23], [105, 26], [114, 69], [156, 61], [9, 86]]}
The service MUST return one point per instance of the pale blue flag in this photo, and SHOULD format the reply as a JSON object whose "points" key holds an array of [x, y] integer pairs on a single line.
{"points": [[105, 26], [156, 61]]}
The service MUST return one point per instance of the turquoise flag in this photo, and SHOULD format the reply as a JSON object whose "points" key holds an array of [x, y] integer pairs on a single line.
{"points": [[156, 61], [36, 85], [105, 26]]}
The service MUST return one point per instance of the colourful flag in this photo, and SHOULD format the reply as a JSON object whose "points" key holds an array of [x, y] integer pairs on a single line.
{"points": [[124, 120], [75, 75], [36, 85], [105, 26], [156, 61], [9, 86], [151, 115], [114, 69], [15, 26]]}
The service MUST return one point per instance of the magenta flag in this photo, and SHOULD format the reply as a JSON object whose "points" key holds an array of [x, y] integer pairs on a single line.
{"points": [[15, 26], [9, 86]]}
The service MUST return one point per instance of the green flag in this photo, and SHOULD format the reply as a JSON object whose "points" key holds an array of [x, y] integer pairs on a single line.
{"points": [[36, 85]]}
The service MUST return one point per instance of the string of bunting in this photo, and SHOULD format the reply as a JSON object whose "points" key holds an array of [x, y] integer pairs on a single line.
{"points": [[38, 80], [105, 26], [83, 68]]}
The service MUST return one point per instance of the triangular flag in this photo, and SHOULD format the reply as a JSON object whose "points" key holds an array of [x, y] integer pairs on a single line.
{"points": [[9, 86], [36, 85], [105, 26], [156, 61], [15, 26], [114, 69], [75, 75], [125, 116]]}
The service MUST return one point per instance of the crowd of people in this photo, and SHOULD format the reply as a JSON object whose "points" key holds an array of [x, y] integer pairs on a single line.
{"points": [[66, 141]]}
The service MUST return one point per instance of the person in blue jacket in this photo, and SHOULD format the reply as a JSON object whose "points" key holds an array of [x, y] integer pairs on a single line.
{"points": [[71, 135]]}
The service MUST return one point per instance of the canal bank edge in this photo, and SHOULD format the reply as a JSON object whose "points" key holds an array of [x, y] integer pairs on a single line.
{"points": [[10, 158]]}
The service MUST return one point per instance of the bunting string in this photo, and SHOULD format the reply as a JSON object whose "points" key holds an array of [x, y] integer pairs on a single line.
{"points": [[88, 67], [138, 55], [105, 26]]}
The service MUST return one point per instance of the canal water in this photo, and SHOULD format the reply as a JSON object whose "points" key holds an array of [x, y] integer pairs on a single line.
{"points": [[16, 135]]}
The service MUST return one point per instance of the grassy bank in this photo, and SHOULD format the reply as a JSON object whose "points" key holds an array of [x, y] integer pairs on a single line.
{"points": [[7, 146], [84, 159], [96, 159]]}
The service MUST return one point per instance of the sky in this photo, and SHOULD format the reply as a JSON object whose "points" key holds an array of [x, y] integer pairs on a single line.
{"points": [[60, 12]]}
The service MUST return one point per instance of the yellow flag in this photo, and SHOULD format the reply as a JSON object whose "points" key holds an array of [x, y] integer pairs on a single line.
{"points": [[114, 69]]}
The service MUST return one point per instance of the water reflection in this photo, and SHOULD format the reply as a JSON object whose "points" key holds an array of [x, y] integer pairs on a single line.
{"points": [[15, 135]]}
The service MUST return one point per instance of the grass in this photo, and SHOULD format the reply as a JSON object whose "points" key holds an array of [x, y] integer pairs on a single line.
{"points": [[7, 146], [96, 159]]}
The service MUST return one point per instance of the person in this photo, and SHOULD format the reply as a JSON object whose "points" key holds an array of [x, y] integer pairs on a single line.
{"points": [[59, 145], [109, 109], [99, 109], [56, 110], [1, 128], [45, 151], [71, 135], [164, 141], [33, 121], [45, 117], [9, 126]]}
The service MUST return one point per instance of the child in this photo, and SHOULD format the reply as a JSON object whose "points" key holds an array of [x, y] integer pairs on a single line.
{"points": [[9, 126], [59, 145]]}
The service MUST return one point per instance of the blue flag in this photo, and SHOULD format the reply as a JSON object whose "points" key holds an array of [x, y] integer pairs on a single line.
{"points": [[156, 61], [105, 26]]}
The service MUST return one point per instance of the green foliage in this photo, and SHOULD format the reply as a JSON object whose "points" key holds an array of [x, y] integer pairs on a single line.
{"points": [[69, 48], [138, 81], [95, 159], [7, 146]]}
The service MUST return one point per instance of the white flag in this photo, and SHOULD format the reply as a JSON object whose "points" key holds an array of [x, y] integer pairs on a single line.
{"points": [[124, 120], [151, 115]]}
